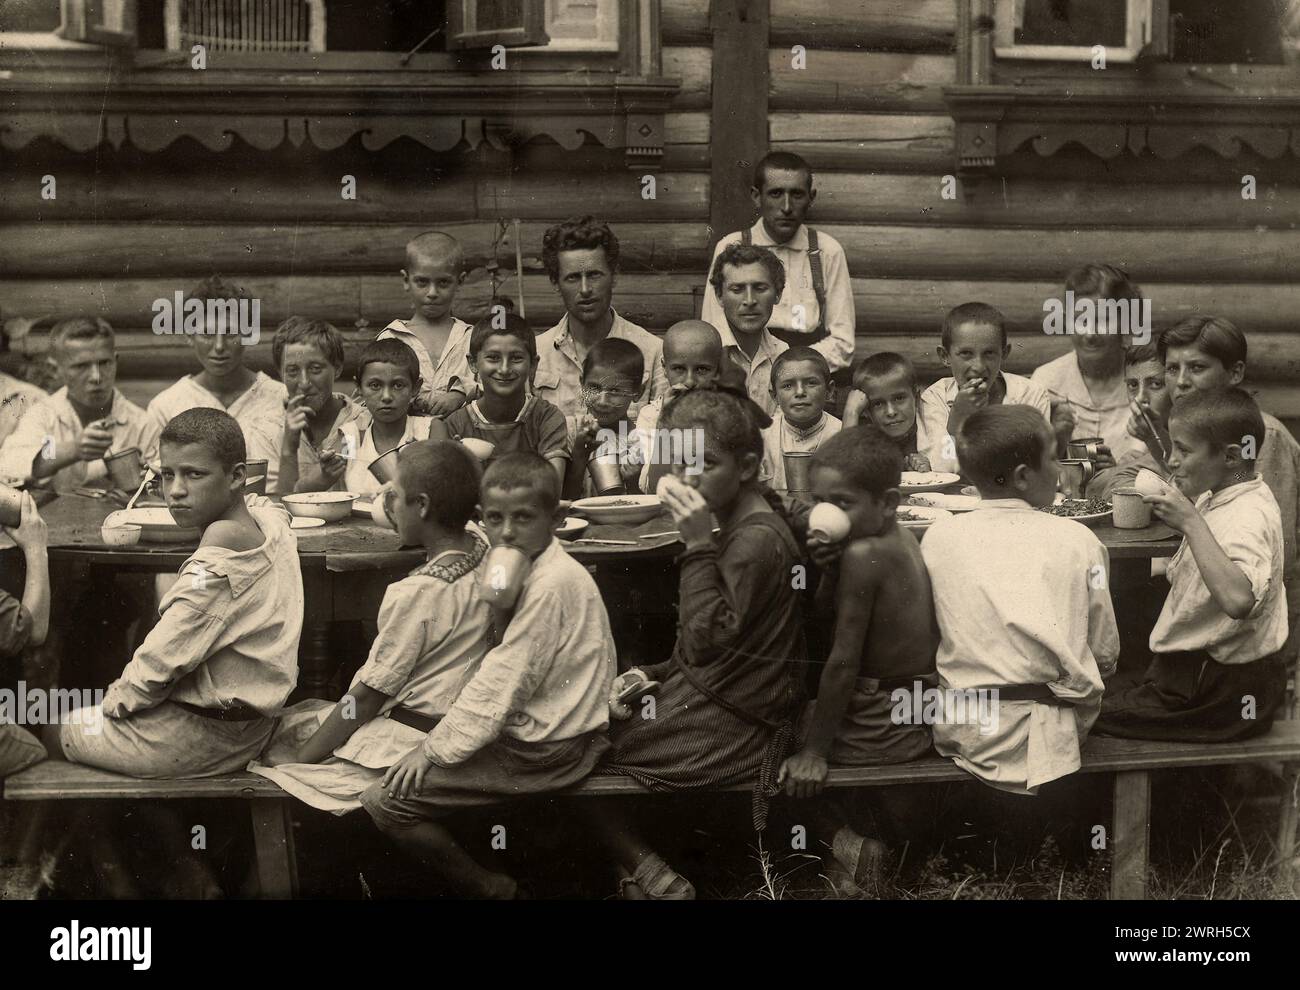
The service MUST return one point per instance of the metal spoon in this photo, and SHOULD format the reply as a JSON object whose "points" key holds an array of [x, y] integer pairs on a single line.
{"points": [[148, 476]]}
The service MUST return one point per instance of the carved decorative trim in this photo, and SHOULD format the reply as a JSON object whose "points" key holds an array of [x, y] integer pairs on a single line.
{"points": [[617, 112]]}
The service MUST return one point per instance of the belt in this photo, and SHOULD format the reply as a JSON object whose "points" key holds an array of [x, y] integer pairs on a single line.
{"points": [[404, 716], [1027, 692], [872, 685], [236, 713]]}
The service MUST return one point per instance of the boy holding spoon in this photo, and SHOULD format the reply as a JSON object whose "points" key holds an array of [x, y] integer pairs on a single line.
{"points": [[62, 439]]}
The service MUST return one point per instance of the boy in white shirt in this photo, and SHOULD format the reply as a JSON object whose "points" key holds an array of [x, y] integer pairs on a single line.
{"points": [[1023, 605], [974, 346], [801, 386], [1215, 673]]}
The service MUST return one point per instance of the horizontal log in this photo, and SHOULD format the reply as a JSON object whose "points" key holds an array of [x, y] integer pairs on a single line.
{"points": [[692, 67], [186, 251], [272, 194], [655, 300], [867, 142], [876, 82], [189, 251], [882, 25], [1025, 202]]}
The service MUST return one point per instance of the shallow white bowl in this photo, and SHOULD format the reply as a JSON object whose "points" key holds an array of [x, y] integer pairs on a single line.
{"points": [[622, 510], [330, 506], [156, 525], [571, 528]]}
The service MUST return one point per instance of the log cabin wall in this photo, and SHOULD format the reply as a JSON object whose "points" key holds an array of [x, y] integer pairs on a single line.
{"points": [[868, 113]]}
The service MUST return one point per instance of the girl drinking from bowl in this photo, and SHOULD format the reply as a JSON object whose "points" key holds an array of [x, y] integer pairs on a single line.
{"points": [[388, 377], [721, 713]]}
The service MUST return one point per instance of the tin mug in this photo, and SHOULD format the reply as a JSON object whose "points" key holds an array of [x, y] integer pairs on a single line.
{"points": [[1085, 448], [125, 468], [1075, 475], [797, 472]]}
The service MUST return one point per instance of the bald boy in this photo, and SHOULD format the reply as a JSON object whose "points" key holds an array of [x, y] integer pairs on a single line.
{"points": [[435, 269]]}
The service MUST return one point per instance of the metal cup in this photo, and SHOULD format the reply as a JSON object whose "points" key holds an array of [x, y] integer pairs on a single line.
{"points": [[1085, 448], [11, 506], [1075, 475], [1130, 512], [125, 468], [384, 467], [605, 475], [797, 471], [255, 478], [504, 572]]}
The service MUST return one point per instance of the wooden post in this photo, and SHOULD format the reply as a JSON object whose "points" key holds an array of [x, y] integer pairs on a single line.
{"points": [[1130, 839], [277, 868], [738, 129]]}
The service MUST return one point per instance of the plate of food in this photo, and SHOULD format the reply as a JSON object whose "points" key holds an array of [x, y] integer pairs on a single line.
{"points": [[1089, 511], [926, 481], [919, 516], [571, 528], [945, 500], [622, 510]]}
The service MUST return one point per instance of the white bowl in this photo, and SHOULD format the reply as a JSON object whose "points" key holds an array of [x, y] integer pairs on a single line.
{"points": [[621, 510], [481, 449], [156, 525], [571, 528], [828, 523], [120, 535], [330, 506]]}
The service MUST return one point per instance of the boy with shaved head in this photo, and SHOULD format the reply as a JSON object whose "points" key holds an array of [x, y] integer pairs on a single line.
{"points": [[435, 269], [692, 359]]}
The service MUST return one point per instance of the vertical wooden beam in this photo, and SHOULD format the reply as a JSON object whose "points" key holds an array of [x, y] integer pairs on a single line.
{"points": [[1130, 840], [738, 128]]}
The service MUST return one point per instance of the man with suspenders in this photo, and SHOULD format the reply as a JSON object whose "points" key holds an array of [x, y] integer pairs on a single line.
{"points": [[816, 308]]}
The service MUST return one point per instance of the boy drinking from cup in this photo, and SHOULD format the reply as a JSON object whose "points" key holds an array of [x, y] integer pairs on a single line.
{"points": [[532, 718], [884, 640], [974, 346], [1216, 673]]}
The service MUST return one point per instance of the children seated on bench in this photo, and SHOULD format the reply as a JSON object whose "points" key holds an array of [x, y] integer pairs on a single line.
{"points": [[24, 624], [433, 631], [532, 718], [255, 399], [199, 697], [885, 398], [388, 378], [884, 641], [505, 415], [801, 386], [1215, 674], [611, 381], [309, 356], [435, 270], [1024, 610], [62, 439], [728, 695], [974, 346]]}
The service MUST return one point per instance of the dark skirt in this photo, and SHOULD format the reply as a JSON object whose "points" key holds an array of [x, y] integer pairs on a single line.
{"points": [[1191, 697]]}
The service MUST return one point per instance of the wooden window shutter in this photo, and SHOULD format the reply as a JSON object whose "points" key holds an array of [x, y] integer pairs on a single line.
{"points": [[484, 23], [99, 22]]}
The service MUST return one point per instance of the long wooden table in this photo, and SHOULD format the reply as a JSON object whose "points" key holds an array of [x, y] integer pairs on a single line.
{"points": [[346, 567]]}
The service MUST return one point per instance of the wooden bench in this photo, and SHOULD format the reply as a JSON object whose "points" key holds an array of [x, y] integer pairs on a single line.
{"points": [[1131, 761], [277, 870]]}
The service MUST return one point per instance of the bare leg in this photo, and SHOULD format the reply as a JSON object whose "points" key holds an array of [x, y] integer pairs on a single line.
{"points": [[434, 846], [639, 864]]}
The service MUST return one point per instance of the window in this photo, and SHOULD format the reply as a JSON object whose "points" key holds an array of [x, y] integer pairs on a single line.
{"points": [[66, 24], [1067, 30]]}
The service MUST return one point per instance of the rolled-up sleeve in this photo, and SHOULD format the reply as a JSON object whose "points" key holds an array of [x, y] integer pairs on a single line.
{"points": [[187, 633], [509, 675], [21, 447]]}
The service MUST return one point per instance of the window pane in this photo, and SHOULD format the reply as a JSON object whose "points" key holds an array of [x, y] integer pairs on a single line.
{"points": [[30, 15], [575, 19], [1226, 31], [1081, 23], [492, 15]]}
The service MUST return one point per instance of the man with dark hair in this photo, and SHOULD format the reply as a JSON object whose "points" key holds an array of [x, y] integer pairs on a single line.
{"points": [[747, 281], [816, 306], [581, 258]]}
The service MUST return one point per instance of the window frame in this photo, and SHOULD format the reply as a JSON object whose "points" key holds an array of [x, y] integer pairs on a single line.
{"points": [[1141, 17]]}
